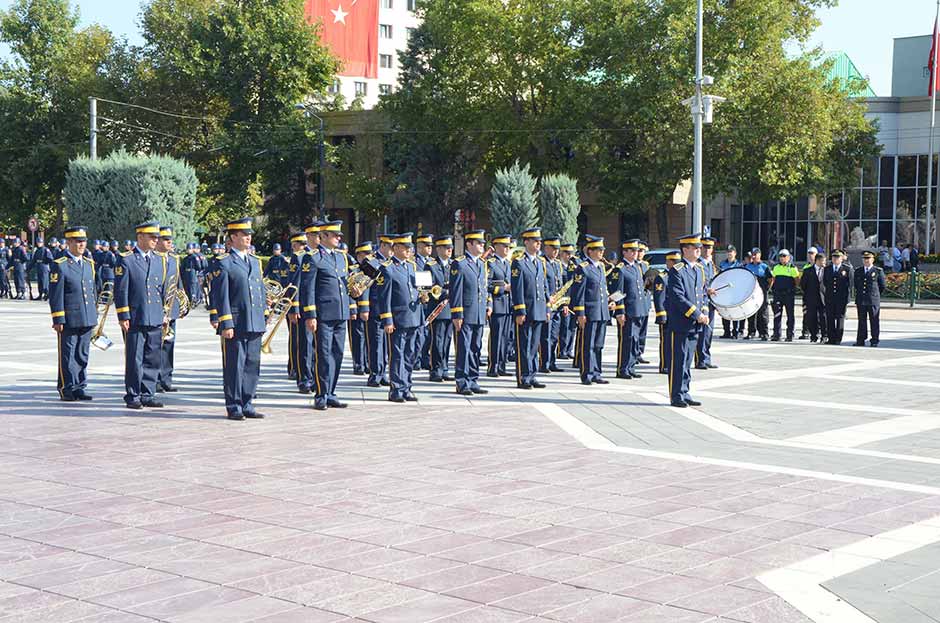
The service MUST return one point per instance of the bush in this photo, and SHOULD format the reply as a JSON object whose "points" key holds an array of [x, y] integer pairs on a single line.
{"points": [[514, 200], [558, 195], [111, 196]]}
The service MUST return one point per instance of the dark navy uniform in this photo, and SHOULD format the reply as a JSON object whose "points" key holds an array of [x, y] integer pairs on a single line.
{"points": [[589, 299], [42, 263], [138, 297], [837, 285], [685, 302], [19, 260], [627, 278], [469, 301], [554, 277], [501, 328], [814, 309], [72, 303], [529, 301], [325, 289], [647, 304], [278, 268], [376, 340], [424, 334], [397, 304], [168, 347], [869, 284], [659, 304], [189, 271], [357, 325], [703, 348], [569, 322], [442, 329], [6, 260], [303, 339]]}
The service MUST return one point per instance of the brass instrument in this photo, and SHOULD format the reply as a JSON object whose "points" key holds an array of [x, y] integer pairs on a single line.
{"points": [[186, 305], [426, 294], [358, 283], [170, 296], [278, 312], [274, 291], [104, 303], [559, 297]]}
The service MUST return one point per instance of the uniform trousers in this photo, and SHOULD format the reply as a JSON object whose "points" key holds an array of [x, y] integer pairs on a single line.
{"points": [[591, 343], [305, 357], [528, 340], [548, 346], [665, 348], [241, 367], [732, 328], [835, 321], [142, 361], [328, 357], [784, 302], [815, 319], [628, 340], [167, 349], [703, 346], [378, 345], [868, 315], [293, 350], [19, 278], [401, 360], [644, 330], [421, 343], [467, 358], [566, 336], [357, 346], [42, 280], [442, 332], [758, 323], [682, 347], [497, 352], [73, 360], [4, 282]]}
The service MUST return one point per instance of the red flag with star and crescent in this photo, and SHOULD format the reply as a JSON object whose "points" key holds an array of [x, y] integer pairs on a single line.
{"points": [[350, 28], [932, 62]]}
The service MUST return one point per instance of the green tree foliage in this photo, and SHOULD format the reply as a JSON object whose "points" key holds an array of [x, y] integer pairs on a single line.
{"points": [[560, 206], [514, 200], [112, 195]]}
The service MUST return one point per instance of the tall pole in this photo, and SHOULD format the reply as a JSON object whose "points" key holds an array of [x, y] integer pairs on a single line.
{"points": [[321, 191], [93, 128], [933, 124], [698, 113]]}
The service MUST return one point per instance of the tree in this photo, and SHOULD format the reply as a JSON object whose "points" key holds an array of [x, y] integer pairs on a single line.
{"points": [[560, 206], [514, 198]]}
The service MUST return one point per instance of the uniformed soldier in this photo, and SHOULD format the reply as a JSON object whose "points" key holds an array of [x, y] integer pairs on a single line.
{"points": [[376, 339], [6, 260], [278, 267], [174, 275], [686, 313], [239, 296], [74, 314], [397, 306], [139, 286], [42, 263], [442, 329], [703, 348], [659, 303], [298, 249], [96, 256], [326, 309], [189, 270], [305, 355], [785, 277], [555, 273], [627, 278], [530, 308], [470, 309], [569, 326], [424, 245], [359, 320], [590, 303], [837, 288], [107, 263], [501, 326], [647, 301], [869, 285], [128, 246], [20, 261]]}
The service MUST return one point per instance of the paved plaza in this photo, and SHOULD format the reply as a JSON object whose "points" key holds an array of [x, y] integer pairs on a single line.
{"points": [[806, 488]]}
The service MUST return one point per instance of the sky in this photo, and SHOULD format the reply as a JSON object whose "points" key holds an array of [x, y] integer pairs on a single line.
{"points": [[863, 29]]}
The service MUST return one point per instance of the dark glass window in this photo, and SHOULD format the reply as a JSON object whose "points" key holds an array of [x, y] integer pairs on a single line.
{"points": [[887, 171], [907, 171], [749, 212], [870, 173], [906, 201], [802, 209], [869, 204]]}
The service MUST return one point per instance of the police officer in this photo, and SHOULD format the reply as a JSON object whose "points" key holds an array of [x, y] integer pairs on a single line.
{"points": [[42, 262], [20, 260], [568, 327], [470, 309], [686, 313], [647, 301], [757, 324], [869, 285], [555, 276], [530, 308], [173, 275], [359, 319], [501, 318], [305, 355], [785, 276], [627, 278], [659, 302], [278, 267], [239, 296], [703, 348], [837, 289], [128, 246], [140, 280], [424, 245], [325, 305], [442, 329], [732, 329], [6, 260], [397, 307], [376, 339], [74, 314], [811, 283], [589, 302]]}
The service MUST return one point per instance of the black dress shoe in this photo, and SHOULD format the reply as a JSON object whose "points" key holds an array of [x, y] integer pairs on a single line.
{"points": [[291, 377], [304, 390], [587, 382], [319, 406], [522, 386], [789, 339], [813, 340], [373, 384], [397, 399], [678, 405], [711, 366], [492, 375], [169, 389], [447, 377], [254, 415], [69, 399], [436, 379], [763, 338], [701, 367], [601, 382], [874, 344], [555, 369], [804, 337], [411, 398], [336, 404], [543, 371], [625, 377], [84, 396], [641, 360], [504, 373], [693, 403], [538, 385], [359, 372], [465, 392], [153, 404], [384, 383], [235, 416], [136, 406], [480, 390], [858, 344], [636, 375], [724, 337], [775, 338]]}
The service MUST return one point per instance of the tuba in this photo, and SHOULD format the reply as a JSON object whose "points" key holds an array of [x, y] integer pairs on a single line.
{"points": [[278, 312], [105, 300]]}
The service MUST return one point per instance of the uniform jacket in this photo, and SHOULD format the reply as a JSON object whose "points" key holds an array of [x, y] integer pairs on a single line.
{"points": [[837, 286], [441, 274], [500, 272], [628, 279], [530, 288], [190, 266], [72, 293], [6, 256], [396, 295], [138, 288], [469, 298], [555, 275], [278, 268], [685, 297], [785, 278], [42, 258], [589, 295], [372, 293], [324, 279], [868, 287], [659, 297], [238, 294], [293, 273], [762, 272], [20, 256]]}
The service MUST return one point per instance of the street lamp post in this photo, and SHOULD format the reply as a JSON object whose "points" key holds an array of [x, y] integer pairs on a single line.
{"points": [[321, 194]]}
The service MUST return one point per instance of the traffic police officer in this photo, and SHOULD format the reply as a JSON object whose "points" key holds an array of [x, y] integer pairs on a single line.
{"points": [[74, 314], [359, 318], [703, 348], [659, 303], [325, 305], [555, 276], [627, 278], [442, 328], [869, 284], [140, 279], [530, 307], [239, 296], [837, 285], [397, 307], [590, 303], [686, 313], [785, 277], [173, 275], [469, 307], [501, 319], [376, 339], [424, 245], [278, 267], [42, 261], [20, 260]]}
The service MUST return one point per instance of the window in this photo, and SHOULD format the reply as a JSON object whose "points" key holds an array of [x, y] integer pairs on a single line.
{"points": [[362, 89], [385, 89], [385, 31], [385, 61], [387, 4], [716, 230], [412, 5], [409, 32], [334, 88]]}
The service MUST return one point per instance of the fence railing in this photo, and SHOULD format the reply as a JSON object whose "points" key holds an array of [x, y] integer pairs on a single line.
{"points": [[913, 286]]}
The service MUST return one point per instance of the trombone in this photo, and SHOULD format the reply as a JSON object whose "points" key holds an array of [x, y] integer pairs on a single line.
{"points": [[105, 300], [274, 291], [279, 312]]}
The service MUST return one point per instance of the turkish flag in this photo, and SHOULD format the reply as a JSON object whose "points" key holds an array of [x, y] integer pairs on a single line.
{"points": [[351, 30], [932, 63]]}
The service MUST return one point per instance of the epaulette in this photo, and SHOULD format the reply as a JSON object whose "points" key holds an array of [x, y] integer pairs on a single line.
{"points": [[387, 262], [460, 258], [679, 265], [222, 256], [584, 264], [62, 260], [126, 253], [431, 262]]}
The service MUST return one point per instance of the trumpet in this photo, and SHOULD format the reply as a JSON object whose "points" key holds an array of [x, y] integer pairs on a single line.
{"points": [[278, 312], [105, 300], [426, 294]]}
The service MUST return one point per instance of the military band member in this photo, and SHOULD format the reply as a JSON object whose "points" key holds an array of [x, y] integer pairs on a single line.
{"points": [[20, 260], [359, 318], [555, 273], [837, 288], [470, 309], [686, 313], [165, 248], [376, 339], [424, 245], [239, 296], [140, 281], [325, 305], [41, 261], [647, 300], [6, 260], [397, 307], [278, 267], [869, 285], [589, 302], [442, 329], [72, 302], [298, 249], [659, 303], [107, 263], [501, 324], [627, 278], [569, 326], [703, 348], [305, 354], [530, 308]]}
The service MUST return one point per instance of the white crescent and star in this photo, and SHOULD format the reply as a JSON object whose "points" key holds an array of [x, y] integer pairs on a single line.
{"points": [[339, 15]]}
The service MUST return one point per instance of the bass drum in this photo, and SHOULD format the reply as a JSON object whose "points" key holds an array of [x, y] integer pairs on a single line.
{"points": [[738, 294]]}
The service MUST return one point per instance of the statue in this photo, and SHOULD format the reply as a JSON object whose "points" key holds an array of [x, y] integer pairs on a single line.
{"points": [[858, 239]]}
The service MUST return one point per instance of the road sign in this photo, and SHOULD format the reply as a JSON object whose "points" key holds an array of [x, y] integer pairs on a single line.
{"points": [[32, 224]]}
